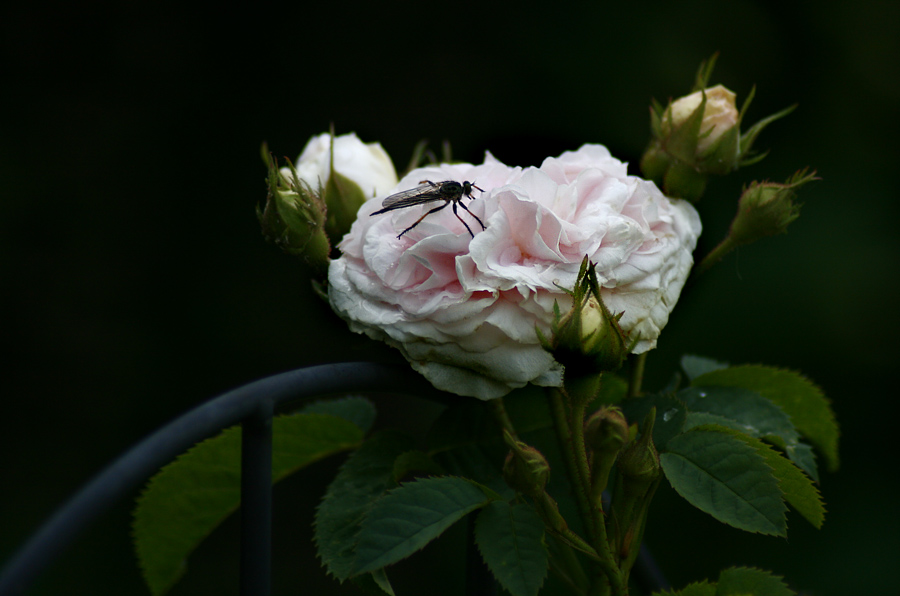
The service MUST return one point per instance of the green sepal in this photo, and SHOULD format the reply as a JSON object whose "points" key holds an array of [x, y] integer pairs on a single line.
{"points": [[343, 197], [749, 137]]}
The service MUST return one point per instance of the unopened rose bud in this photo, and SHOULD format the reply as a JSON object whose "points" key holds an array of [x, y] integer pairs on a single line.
{"points": [[606, 430], [639, 463], [526, 469], [638, 476], [605, 433], [294, 217], [346, 173], [764, 209], [587, 340], [699, 135], [717, 113]]}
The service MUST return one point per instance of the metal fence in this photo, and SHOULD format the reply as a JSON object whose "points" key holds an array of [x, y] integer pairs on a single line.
{"points": [[252, 406]]}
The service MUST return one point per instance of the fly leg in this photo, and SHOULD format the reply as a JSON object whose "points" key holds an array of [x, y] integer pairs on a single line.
{"points": [[426, 215]]}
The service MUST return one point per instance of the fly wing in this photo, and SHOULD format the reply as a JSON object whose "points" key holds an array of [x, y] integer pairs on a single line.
{"points": [[407, 198]]}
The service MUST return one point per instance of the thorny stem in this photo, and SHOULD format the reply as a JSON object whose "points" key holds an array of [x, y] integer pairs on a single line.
{"points": [[637, 375], [568, 419], [503, 417]]}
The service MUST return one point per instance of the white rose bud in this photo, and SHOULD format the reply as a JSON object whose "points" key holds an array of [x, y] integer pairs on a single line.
{"points": [[366, 164], [719, 115], [700, 135], [359, 172]]}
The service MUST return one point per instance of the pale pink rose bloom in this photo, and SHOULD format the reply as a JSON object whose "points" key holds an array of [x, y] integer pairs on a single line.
{"points": [[463, 310]]}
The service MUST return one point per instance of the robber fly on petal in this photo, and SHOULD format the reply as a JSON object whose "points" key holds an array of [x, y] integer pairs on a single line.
{"points": [[447, 191]]}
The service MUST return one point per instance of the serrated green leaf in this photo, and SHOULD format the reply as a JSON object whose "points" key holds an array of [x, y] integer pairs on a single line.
{"points": [[363, 479], [695, 366], [703, 588], [412, 515], [415, 463], [191, 496], [804, 402], [670, 415], [742, 580], [723, 476], [566, 565], [799, 491], [511, 541], [375, 583], [466, 441], [695, 419], [753, 414], [358, 410], [757, 416]]}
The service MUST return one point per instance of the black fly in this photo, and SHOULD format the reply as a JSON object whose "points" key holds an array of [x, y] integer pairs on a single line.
{"points": [[428, 191]]}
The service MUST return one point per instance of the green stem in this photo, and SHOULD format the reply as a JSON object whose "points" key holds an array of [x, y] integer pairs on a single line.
{"points": [[499, 409], [637, 375], [714, 256], [569, 423], [567, 444]]}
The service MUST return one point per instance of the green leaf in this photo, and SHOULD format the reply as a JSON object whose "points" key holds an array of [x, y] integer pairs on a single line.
{"points": [[695, 366], [753, 415], [412, 515], [363, 479], [757, 416], [703, 588], [511, 541], [720, 474], [804, 402], [799, 491], [415, 463], [670, 415], [358, 410], [375, 583], [755, 582], [191, 496]]}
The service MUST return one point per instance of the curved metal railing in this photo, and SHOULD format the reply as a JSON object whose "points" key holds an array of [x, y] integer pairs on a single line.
{"points": [[252, 406]]}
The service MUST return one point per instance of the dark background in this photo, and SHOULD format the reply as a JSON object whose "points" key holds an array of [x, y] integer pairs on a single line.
{"points": [[134, 282]]}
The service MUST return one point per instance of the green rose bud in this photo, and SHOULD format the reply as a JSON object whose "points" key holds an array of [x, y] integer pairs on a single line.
{"points": [[638, 476], [294, 217], [605, 433], [587, 340], [764, 209], [526, 469]]}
